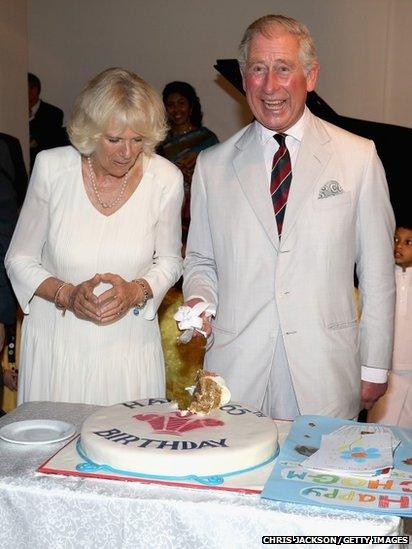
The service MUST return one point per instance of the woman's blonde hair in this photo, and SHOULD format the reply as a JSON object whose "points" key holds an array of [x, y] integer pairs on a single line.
{"points": [[119, 98]]}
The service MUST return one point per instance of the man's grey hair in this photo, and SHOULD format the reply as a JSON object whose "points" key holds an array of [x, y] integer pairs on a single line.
{"points": [[265, 25]]}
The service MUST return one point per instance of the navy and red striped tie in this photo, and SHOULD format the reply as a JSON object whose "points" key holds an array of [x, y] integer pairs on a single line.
{"points": [[280, 180]]}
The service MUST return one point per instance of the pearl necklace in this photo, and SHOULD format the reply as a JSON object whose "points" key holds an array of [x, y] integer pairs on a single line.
{"points": [[103, 204]]}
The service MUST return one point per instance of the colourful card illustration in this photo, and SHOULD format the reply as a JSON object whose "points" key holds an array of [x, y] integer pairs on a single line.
{"points": [[352, 453], [374, 492]]}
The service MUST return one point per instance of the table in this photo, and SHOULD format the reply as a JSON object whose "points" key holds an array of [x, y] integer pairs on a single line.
{"points": [[39, 511]]}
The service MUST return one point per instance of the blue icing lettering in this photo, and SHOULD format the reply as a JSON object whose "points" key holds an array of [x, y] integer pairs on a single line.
{"points": [[173, 444], [108, 433], [213, 443], [237, 410], [188, 445], [125, 439], [141, 403]]}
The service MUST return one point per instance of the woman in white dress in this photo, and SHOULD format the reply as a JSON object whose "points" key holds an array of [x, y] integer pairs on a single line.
{"points": [[96, 248]]}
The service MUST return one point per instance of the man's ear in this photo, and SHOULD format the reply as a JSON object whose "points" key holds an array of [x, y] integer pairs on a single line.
{"points": [[312, 77], [243, 79]]}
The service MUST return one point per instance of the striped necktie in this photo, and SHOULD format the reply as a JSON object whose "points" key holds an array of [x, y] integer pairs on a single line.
{"points": [[280, 180]]}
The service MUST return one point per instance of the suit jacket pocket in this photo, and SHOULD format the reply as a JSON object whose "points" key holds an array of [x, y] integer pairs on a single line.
{"points": [[333, 201], [341, 325]]}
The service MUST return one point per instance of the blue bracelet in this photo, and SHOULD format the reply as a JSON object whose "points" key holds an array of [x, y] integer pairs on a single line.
{"points": [[139, 306]]}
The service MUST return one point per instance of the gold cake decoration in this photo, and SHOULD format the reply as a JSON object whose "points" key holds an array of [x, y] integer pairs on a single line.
{"points": [[209, 393]]}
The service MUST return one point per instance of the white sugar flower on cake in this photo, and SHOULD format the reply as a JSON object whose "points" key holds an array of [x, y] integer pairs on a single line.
{"points": [[209, 393]]}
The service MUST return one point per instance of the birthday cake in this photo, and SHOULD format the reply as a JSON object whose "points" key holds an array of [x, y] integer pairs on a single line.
{"points": [[153, 439]]}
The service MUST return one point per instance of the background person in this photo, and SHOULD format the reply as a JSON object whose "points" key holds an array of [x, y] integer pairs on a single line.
{"points": [[45, 121], [106, 205], [8, 218], [12, 166], [186, 137], [395, 406], [13, 176], [277, 225]]}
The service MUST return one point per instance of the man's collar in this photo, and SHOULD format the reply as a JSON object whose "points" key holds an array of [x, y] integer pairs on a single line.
{"points": [[295, 131]]}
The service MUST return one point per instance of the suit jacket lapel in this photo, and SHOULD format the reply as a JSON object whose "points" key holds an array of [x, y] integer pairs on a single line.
{"points": [[312, 159], [249, 165]]}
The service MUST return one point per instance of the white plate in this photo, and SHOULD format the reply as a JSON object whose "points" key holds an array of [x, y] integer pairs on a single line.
{"points": [[37, 431]]}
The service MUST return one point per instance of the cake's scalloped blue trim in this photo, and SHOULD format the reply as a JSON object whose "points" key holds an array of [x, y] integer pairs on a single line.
{"points": [[90, 466]]}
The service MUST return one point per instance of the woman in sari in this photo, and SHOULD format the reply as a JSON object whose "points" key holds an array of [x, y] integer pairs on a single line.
{"points": [[186, 137]]}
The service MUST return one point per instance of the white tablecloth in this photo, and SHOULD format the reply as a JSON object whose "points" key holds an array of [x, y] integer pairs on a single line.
{"points": [[39, 511]]}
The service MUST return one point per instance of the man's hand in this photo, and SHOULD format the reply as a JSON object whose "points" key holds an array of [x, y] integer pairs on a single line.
{"points": [[9, 376], [207, 324], [10, 379], [371, 392]]}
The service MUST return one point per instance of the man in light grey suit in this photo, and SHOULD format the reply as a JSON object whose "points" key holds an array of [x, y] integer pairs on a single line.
{"points": [[286, 334]]}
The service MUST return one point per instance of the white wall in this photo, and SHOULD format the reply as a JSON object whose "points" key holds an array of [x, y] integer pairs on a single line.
{"points": [[398, 76], [13, 71], [364, 49]]}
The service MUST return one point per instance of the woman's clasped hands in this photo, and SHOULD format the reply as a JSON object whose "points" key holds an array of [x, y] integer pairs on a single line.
{"points": [[83, 302], [116, 301], [109, 306]]}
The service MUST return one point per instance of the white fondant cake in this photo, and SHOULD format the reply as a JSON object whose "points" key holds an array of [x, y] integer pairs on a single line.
{"points": [[152, 438]]}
